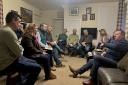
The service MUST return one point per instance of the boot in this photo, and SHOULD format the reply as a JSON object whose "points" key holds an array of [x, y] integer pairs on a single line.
{"points": [[75, 73], [53, 69], [60, 65], [51, 76]]}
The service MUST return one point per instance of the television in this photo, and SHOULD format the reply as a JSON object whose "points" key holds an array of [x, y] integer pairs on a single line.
{"points": [[91, 31]]}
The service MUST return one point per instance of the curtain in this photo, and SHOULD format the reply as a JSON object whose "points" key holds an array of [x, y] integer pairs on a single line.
{"points": [[121, 15], [126, 25], [1, 12]]}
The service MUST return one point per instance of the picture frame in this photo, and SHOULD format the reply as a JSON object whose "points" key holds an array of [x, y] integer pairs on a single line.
{"points": [[74, 11], [88, 10], [92, 16], [84, 17], [26, 15]]}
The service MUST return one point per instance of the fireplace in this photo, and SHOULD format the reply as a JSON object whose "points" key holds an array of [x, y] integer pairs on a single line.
{"points": [[92, 31]]}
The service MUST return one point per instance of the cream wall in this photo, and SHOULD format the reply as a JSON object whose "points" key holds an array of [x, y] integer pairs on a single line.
{"points": [[105, 17], [48, 16], [16, 4]]}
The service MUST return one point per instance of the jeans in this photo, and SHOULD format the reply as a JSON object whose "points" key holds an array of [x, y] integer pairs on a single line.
{"points": [[72, 50], [57, 46], [44, 60], [62, 44], [56, 56], [51, 57], [84, 49], [25, 66], [101, 62], [95, 63]]}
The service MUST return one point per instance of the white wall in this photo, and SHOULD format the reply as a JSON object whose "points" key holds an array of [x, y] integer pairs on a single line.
{"points": [[105, 17], [16, 4]]}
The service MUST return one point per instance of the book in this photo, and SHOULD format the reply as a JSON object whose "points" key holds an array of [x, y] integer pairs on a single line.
{"points": [[98, 50], [48, 47]]}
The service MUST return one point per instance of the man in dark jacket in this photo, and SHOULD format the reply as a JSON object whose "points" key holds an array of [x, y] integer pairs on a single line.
{"points": [[117, 48], [85, 43], [56, 49]]}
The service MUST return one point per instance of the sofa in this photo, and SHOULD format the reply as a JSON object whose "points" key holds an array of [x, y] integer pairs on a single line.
{"points": [[3, 79], [10, 79], [114, 76]]}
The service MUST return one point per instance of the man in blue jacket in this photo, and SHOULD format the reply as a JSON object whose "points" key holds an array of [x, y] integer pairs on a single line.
{"points": [[117, 48]]}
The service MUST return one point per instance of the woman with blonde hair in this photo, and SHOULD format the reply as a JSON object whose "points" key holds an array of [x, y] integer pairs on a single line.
{"points": [[33, 50], [104, 37]]}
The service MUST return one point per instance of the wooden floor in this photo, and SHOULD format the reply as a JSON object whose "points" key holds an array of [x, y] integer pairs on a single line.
{"points": [[64, 75]]}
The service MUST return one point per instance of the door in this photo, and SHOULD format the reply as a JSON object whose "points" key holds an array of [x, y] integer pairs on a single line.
{"points": [[58, 27]]}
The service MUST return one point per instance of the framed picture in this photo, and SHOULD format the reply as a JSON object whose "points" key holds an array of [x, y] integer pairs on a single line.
{"points": [[74, 11], [88, 10], [26, 15], [92, 16], [84, 17]]}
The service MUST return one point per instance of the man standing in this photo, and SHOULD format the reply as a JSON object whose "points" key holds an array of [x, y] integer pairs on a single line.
{"points": [[117, 48], [11, 51]]}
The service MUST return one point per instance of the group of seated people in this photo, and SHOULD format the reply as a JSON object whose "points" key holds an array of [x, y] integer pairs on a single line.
{"points": [[27, 52], [113, 50], [70, 44], [80, 46]]}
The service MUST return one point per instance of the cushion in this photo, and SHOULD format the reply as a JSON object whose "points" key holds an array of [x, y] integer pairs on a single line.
{"points": [[126, 72], [3, 80], [123, 63], [112, 75], [118, 84]]}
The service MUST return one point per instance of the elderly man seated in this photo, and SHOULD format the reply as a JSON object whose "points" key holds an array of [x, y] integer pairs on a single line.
{"points": [[72, 42], [85, 43]]}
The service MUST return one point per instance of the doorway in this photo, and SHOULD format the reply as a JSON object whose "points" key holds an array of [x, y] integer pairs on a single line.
{"points": [[58, 25]]}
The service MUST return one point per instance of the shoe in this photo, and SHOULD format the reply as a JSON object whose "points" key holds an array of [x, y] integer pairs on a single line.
{"points": [[53, 69], [60, 65], [62, 56], [62, 52], [81, 56], [73, 71], [50, 77], [88, 82]]}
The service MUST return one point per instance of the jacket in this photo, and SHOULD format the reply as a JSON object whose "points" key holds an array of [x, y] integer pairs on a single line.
{"points": [[31, 49], [116, 49], [10, 49]]}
